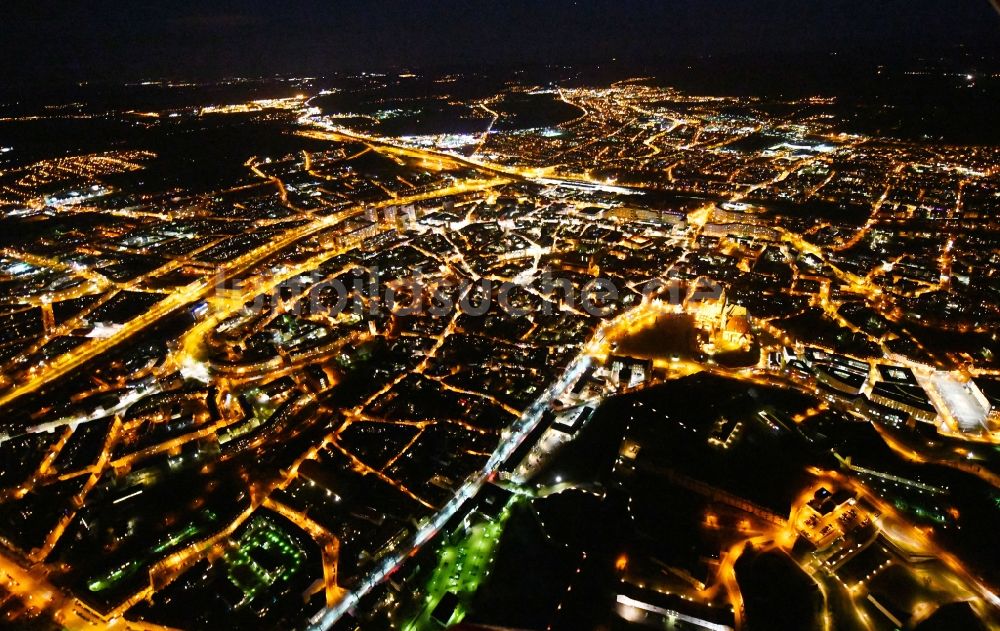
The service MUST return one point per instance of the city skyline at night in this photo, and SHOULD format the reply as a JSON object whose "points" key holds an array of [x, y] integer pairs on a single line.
{"points": [[540, 316]]}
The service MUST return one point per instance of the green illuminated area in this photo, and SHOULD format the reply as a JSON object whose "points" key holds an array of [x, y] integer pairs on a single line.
{"points": [[464, 561], [116, 576], [921, 512], [263, 556]]}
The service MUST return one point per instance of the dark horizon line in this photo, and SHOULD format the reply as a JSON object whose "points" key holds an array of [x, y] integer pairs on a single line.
{"points": [[855, 59]]}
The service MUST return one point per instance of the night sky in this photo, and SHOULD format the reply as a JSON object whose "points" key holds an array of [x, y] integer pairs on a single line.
{"points": [[118, 39]]}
